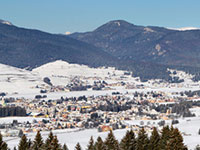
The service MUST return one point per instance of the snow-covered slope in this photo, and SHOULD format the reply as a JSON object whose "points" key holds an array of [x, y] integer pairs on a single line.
{"points": [[181, 75], [14, 80], [60, 72], [21, 81]]}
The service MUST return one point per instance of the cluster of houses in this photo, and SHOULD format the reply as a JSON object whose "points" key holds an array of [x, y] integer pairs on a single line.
{"points": [[103, 112]]}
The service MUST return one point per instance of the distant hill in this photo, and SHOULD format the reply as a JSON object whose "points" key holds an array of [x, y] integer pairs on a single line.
{"points": [[146, 51], [150, 44], [22, 48]]}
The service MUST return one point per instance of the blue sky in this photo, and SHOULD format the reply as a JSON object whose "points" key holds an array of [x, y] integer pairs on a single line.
{"points": [[59, 16]]}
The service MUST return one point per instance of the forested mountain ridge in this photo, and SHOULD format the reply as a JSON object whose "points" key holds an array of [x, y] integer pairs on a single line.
{"points": [[146, 43], [22, 48]]}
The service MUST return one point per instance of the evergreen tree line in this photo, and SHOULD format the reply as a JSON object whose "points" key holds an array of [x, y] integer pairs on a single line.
{"points": [[167, 139], [12, 111], [181, 109]]}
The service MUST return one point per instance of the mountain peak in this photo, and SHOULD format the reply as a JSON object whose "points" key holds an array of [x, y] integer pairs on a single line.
{"points": [[118, 22], [5, 22], [115, 25]]}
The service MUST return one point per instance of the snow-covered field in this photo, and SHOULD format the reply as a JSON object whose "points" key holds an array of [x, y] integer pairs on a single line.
{"points": [[22, 83], [19, 119], [15, 81], [60, 72], [188, 126]]}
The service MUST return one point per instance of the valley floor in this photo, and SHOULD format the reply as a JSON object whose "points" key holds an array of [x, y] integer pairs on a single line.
{"points": [[188, 126]]}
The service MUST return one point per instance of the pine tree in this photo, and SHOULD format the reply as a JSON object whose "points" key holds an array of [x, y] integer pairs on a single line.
{"points": [[20, 134], [78, 146], [48, 142], [23, 144], [91, 144], [3, 145], [176, 141], [142, 140], [132, 140], [125, 142], [55, 144], [29, 143], [38, 142], [50, 138], [14, 148], [171, 129], [99, 145], [165, 136], [65, 147], [154, 140], [111, 143]]}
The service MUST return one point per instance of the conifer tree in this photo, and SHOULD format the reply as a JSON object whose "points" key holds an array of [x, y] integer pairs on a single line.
{"points": [[55, 144], [50, 137], [165, 136], [125, 143], [176, 141], [99, 144], [65, 147], [29, 143], [78, 146], [14, 148], [23, 144], [3, 145], [48, 142], [132, 140], [38, 142], [91, 144], [171, 130], [20, 134], [154, 140], [111, 143], [142, 140]]}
